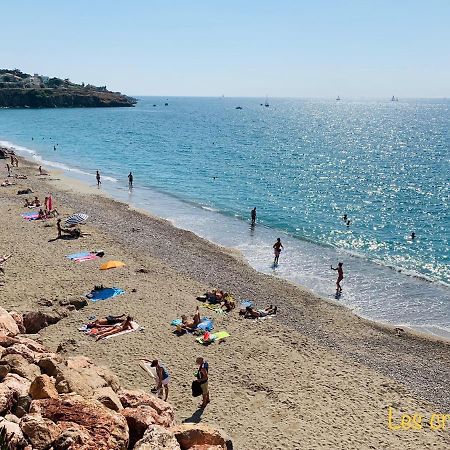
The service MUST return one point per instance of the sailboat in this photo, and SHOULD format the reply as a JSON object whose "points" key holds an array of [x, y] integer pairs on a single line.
{"points": [[394, 99], [266, 104], [338, 98]]}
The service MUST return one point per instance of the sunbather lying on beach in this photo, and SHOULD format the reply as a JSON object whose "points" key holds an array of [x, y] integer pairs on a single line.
{"points": [[108, 321], [20, 177], [8, 183], [216, 296], [190, 325], [250, 313], [115, 329]]}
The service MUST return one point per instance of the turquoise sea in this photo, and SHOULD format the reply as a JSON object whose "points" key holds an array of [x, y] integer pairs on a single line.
{"points": [[203, 164]]}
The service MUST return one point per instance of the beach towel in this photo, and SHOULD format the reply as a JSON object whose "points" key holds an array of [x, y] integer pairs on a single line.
{"points": [[246, 303], [78, 255], [104, 294], [135, 326], [86, 258], [215, 337], [30, 216], [206, 324]]}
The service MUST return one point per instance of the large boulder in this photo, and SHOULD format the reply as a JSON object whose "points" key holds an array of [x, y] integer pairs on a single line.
{"points": [[73, 437], [6, 399], [19, 321], [34, 321], [4, 369], [138, 420], [51, 365], [22, 406], [17, 384], [189, 435], [31, 344], [8, 326], [22, 350], [21, 366], [79, 375], [157, 438], [108, 430], [107, 397], [13, 433], [40, 431], [7, 341], [135, 398], [43, 387]]}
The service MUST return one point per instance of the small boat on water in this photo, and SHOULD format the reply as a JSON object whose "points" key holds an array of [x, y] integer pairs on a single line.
{"points": [[266, 104], [238, 107], [338, 99], [394, 99]]}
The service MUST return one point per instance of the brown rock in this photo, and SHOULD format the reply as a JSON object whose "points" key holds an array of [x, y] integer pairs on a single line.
{"points": [[17, 384], [157, 438], [51, 365], [108, 429], [40, 431], [22, 350], [138, 420], [81, 376], [136, 398], [22, 367], [43, 387], [107, 397], [4, 369], [22, 407], [7, 341], [8, 326], [189, 435], [6, 399], [73, 437], [19, 321], [31, 344], [34, 321], [14, 434]]}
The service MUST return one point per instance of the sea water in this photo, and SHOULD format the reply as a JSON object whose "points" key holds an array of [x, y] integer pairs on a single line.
{"points": [[203, 164]]}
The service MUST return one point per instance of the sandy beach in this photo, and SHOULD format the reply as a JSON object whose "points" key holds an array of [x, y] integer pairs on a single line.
{"points": [[314, 377]]}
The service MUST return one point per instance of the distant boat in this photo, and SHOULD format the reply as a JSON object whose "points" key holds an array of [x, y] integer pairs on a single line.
{"points": [[166, 104], [338, 98], [394, 99], [266, 104], [238, 107]]}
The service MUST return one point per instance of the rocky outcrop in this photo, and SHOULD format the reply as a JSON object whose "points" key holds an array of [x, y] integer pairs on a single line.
{"points": [[61, 98], [48, 401]]}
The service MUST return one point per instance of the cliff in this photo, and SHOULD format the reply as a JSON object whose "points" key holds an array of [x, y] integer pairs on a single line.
{"points": [[21, 90]]}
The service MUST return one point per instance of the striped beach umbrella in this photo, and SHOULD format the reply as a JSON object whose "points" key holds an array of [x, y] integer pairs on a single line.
{"points": [[76, 219]]}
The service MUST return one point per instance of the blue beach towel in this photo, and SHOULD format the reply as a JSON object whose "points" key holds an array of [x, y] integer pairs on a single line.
{"points": [[104, 294], [78, 255], [206, 324], [246, 303]]}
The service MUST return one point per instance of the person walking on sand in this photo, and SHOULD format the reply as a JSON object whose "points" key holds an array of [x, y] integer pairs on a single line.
{"points": [[130, 180], [340, 277], [162, 379], [277, 250], [202, 378], [58, 227], [97, 176], [253, 215], [9, 170]]}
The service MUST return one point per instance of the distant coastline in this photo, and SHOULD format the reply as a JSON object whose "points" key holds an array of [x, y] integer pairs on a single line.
{"points": [[22, 90]]}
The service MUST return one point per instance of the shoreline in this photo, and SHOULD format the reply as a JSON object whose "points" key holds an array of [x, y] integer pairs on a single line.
{"points": [[333, 362], [78, 180]]}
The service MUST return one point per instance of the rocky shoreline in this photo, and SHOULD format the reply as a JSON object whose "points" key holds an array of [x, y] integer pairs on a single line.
{"points": [[48, 401]]}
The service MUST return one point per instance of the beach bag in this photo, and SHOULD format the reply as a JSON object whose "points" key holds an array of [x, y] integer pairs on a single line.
{"points": [[196, 388]]}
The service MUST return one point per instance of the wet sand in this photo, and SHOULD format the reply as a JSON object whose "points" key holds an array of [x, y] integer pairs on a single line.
{"points": [[315, 376]]}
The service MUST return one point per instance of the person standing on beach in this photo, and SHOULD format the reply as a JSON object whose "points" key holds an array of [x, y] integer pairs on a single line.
{"points": [[162, 379], [97, 176], [202, 377], [58, 227], [340, 277], [253, 215], [277, 249], [9, 170], [130, 180]]}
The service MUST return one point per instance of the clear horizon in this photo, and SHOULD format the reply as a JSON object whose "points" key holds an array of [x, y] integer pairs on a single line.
{"points": [[354, 49]]}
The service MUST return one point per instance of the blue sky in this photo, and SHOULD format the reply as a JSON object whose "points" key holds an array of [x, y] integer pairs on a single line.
{"points": [[315, 48]]}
